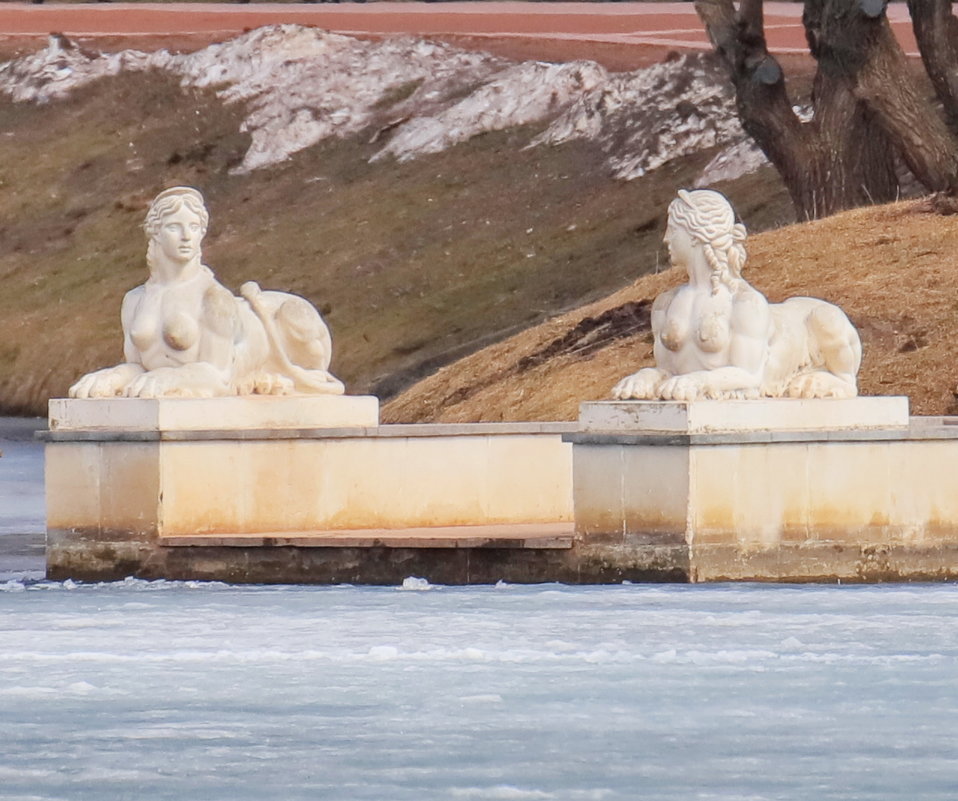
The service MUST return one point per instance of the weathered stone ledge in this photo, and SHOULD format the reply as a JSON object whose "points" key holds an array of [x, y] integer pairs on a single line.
{"points": [[918, 431], [404, 430]]}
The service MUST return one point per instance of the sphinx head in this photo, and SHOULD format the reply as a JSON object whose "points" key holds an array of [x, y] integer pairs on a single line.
{"points": [[704, 217], [176, 224]]}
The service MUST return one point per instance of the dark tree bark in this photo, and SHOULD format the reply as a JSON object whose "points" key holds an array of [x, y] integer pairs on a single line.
{"points": [[867, 111], [867, 48], [936, 31]]}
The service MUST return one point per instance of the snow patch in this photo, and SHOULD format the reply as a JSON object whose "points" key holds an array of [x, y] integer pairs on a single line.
{"points": [[383, 653], [518, 95], [53, 73], [416, 584], [80, 688], [733, 162], [303, 85], [491, 698], [501, 792], [646, 118]]}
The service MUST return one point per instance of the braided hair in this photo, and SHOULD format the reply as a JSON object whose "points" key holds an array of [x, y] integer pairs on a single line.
{"points": [[708, 218]]}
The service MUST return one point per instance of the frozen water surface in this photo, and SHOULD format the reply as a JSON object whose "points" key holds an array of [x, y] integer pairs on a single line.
{"points": [[22, 513], [169, 690]]}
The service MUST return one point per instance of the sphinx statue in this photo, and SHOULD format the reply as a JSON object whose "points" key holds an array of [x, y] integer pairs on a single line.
{"points": [[717, 337], [186, 335]]}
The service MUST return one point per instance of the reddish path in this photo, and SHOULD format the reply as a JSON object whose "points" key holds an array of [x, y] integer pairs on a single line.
{"points": [[657, 24]]}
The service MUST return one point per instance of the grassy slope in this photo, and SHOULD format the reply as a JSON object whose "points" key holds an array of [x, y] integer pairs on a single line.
{"points": [[894, 269], [413, 264]]}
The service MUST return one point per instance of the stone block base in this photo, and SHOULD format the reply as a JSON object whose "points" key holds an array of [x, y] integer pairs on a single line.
{"points": [[700, 498], [840, 504], [165, 494], [249, 412], [770, 414]]}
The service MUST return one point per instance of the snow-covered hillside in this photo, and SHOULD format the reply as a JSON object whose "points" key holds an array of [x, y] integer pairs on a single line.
{"points": [[302, 85]]}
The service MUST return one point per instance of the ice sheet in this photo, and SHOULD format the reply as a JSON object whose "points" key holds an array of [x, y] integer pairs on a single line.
{"points": [[182, 690], [22, 508]]}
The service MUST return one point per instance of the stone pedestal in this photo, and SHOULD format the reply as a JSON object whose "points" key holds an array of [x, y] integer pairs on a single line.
{"points": [[768, 490], [779, 414], [661, 491], [242, 413], [298, 489]]}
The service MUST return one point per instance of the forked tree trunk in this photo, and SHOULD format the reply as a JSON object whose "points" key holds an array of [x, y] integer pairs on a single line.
{"points": [[866, 107], [863, 46], [851, 162]]}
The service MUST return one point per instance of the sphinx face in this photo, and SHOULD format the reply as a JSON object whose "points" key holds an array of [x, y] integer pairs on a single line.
{"points": [[180, 236], [680, 244]]}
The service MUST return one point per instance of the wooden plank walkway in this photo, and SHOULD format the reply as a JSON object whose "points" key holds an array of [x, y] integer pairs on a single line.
{"points": [[526, 536]]}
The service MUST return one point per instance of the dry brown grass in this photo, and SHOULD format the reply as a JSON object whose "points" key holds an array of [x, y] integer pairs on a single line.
{"points": [[894, 269]]}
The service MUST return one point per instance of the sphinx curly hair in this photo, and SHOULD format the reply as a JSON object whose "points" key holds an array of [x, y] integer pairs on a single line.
{"points": [[708, 218]]}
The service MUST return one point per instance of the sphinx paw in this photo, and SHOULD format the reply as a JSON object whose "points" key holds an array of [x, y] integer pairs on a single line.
{"points": [[820, 385], [642, 385]]}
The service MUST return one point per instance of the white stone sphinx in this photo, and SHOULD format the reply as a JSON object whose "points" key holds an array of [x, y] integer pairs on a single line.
{"points": [[717, 337], [186, 335]]}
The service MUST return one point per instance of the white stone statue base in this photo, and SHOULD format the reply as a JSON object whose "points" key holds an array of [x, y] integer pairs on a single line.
{"points": [[247, 412], [773, 414], [480, 503]]}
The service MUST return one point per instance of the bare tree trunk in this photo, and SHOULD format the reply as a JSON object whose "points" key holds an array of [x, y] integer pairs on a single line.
{"points": [[867, 109], [840, 159], [936, 31], [857, 161], [863, 47]]}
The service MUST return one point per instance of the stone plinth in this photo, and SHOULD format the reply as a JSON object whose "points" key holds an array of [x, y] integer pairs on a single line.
{"points": [[189, 497], [776, 414], [682, 486], [249, 412]]}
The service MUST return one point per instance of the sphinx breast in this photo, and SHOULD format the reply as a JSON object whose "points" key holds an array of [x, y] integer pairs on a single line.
{"points": [[180, 332], [674, 333], [143, 334]]}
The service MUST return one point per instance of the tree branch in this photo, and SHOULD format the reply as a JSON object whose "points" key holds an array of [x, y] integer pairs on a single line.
{"points": [[936, 31], [718, 17], [812, 14], [751, 15], [763, 103]]}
